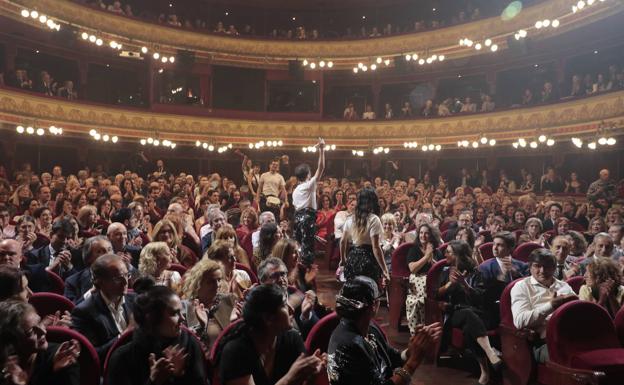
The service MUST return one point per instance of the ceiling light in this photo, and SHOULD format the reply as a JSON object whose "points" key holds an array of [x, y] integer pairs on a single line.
{"points": [[522, 142], [84, 36], [43, 19], [25, 13], [592, 146], [515, 144], [156, 142], [156, 55], [312, 65], [92, 38], [144, 49], [441, 57], [360, 65], [555, 23], [113, 44], [415, 56], [330, 64], [34, 14], [468, 42], [387, 62], [379, 60], [488, 42], [542, 138], [424, 147], [322, 63], [550, 142], [408, 57], [492, 142], [431, 147], [373, 67], [105, 138], [364, 68], [580, 5], [522, 33], [478, 46], [483, 140], [421, 61], [30, 130], [171, 59], [211, 148], [114, 139], [611, 141], [533, 144], [538, 24], [546, 23], [475, 144], [143, 142], [429, 60], [494, 47], [20, 129], [305, 62], [163, 59], [602, 141], [99, 42], [355, 70]]}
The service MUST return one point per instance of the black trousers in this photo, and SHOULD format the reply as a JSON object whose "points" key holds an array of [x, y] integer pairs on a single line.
{"points": [[473, 327], [305, 232]]}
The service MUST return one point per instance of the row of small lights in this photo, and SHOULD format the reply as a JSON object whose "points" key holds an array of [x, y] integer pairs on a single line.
{"points": [[268, 143], [424, 147], [475, 144], [380, 150], [373, 66], [546, 23], [321, 64], [156, 142], [603, 141], [103, 137], [428, 60], [43, 19], [30, 130], [521, 34], [328, 147], [99, 42], [542, 139], [581, 4], [157, 55], [465, 42], [357, 152]]}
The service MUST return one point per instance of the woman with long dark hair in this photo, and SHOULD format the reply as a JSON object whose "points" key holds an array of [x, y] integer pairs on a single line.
{"points": [[160, 352], [363, 230], [420, 257], [263, 349], [461, 289]]}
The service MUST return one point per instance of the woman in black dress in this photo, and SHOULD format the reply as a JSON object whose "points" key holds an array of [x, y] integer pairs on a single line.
{"points": [[263, 349], [358, 351], [420, 257], [160, 352], [363, 230], [462, 290]]}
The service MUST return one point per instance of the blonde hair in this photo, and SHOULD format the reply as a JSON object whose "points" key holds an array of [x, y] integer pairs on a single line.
{"points": [[389, 217], [193, 277], [148, 261], [84, 212], [166, 222], [218, 251]]}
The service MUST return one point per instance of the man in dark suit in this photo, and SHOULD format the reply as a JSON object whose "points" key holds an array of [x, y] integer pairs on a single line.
{"points": [[108, 311], [78, 285], [118, 236], [554, 213], [11, 255], [57, 257], [497, 272], [464, 221]]}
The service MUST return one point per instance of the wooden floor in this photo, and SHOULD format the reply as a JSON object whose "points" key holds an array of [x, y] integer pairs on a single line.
{"points": [[427, 374]]}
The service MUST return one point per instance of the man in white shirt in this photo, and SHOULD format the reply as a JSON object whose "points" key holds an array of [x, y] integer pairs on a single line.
{"points": [[535, 298], [304, 200], [265, 217], [271, 184]]}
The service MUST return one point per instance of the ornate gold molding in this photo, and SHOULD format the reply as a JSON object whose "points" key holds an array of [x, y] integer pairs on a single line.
{"points": [[574, 117], [227, 49]]}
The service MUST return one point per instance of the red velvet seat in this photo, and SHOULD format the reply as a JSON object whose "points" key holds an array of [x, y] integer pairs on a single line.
{"points": [[123, 339], [523, 251], [181, 269], [442, 247], [252, 275], [399, 281], [577, 227], [215, 380], [576, 283], [88, 359], [486, 250], [443, 234], [594, 347], [49, 303], [247, 245], [56, 283]]}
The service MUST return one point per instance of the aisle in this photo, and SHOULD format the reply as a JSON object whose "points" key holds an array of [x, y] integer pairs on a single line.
{"points": [[427, 374]]}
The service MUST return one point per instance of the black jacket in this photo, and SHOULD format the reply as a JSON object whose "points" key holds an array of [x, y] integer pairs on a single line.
{"points": [[41, 256], [77, 285], [37, 278], [93, 319], [355, 360]]}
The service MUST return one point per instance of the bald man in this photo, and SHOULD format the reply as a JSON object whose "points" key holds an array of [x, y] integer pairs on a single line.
{"points": [[117, 234], [11, 255], [603, 188]]}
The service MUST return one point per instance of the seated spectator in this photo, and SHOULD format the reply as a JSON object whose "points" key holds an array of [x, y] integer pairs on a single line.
{"points": [[577, 88], [227, 233], [547, 93], [535, 298], [7, 230], [42, 363], [107, 312], [527, 97], [13, 284], [369, 114], [265, 217], [388, 112], [427, 110], [532, 231], [468, 106], [78, 286], [206, 309], [208, 233], [270, 233], [235, 281], [358, 351], [488, 104], [390, 238], [165, 231], [173, 21], [420, 258], [155, 261], [406, 110], [56, 256], [567, 265], [265, 328], [503, 267], [160, 352], [462, 290], [603, 285], [118, 236], [248, 223], [350, 113], [43, 219], [300, 276], [443, 108], [116, 8], [46, 84]]}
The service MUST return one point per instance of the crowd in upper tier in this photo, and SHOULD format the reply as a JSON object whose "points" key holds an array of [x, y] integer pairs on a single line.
{"points": [[201, 277]]}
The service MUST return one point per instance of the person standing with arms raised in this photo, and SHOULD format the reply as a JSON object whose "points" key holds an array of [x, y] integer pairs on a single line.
{"points": [[304, 200]]}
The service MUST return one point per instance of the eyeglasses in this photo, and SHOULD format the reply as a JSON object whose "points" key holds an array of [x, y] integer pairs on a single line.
{"points": [[278, 275], [121, 278]]}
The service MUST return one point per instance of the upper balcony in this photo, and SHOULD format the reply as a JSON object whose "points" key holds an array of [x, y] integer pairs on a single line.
{"points": [[268, 53]]}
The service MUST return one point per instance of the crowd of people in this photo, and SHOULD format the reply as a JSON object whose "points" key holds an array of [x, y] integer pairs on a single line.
{"points": [[188, 263], [434, 16], [44, 83]]}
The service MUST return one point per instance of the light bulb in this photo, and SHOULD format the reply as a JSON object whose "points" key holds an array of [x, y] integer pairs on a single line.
{"points": [[205, 146], [34, 14], [592, 146], [144, 50], [92, 38], [475, 144], [156, 55], [438, 147], [431, 147], [211, 148], [92, 132], [408, 57], [364, 68], [515, 144], [379, 60], [546, 23], [330, 64], [555, 23], [99, 42], [415, 56], [171, 59], [43, 19], [143, 142], [542, 138], [305, 62], [492, 142], [150, 140], [25, 13], [478, 46], [304, 149], [421, 61], [424, 148], [114, 139], [550, 142], [602, 141], [105, 138], [533, 144], [483, 140], [522, 33], [197, 143], [611, 141], [20, 129], [538, 24], [312, 65], [373, 67], [488, 42], [156, 142], [494, 47], [441, 57], [355, 70]]}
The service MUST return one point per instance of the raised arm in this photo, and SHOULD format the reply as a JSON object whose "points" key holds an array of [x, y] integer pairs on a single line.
{"points": [[321, 161]]}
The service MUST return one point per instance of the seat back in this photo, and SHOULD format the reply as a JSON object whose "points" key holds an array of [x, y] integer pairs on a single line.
{"points": [[247, 245], [319, 335], [442, 247], [444, 234], [433, 278], [49, 303], [213, 350], [577, 227], [88, 359], [399, 260], [252, 275], [486, 250], [619, 325], [577, 327], [123, 339], [181, 269], [56, 283], [576, 283], [523, 251], [506, 316]]}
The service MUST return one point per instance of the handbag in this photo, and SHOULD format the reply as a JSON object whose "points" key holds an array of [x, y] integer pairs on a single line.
{"points": [[273, 201]]}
